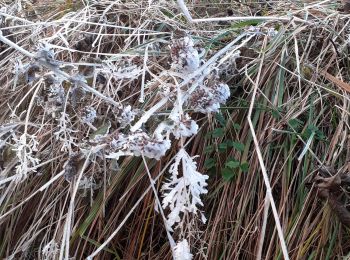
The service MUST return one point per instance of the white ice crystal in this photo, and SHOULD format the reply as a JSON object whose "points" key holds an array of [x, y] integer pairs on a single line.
{"points": [[182, 193], [182, 251], [24, 146], [185, 57], [272, 32]]}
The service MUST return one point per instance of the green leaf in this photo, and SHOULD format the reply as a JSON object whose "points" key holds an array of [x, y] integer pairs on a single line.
{"points": [[295, 124], [276, 113], [220, 118], [208, 149], [227, 174], [209, 163], [246, 23], [238, 146], [102, 130], [222, 147], [244, 167], [218, 132], [232, 164], [236, 126]]}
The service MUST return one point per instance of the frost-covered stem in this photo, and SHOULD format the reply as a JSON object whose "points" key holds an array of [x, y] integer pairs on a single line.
{"points": [[142, 94], [184, 9], [56, 70], [84, 85], [263, 168], [159, 205], [8, 16], [24, 161], [64, 122], [148, 114], [180, 102], [15, 46], [68, 224]]}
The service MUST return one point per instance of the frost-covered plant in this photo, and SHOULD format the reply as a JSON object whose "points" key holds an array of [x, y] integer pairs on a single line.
{"points": [[183, 190], [88, 115], [138, 143], [124, 115], [50, 250], [204, 93], [185, 58], [208, 98], [65, 133], [25, 146], [182, 251]]}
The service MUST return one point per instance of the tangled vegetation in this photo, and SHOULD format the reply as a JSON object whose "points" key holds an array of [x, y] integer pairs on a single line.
{"points": [[171, 130]]}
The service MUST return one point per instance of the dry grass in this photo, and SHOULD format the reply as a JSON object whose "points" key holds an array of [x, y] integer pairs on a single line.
{"points": [[302, 105]]}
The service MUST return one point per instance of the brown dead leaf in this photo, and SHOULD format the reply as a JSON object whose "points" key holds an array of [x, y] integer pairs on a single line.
{"points": [[343, 85]]}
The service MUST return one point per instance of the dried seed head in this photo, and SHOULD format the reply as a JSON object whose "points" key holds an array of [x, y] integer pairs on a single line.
{"points": [[185, 57], [88, 114]]}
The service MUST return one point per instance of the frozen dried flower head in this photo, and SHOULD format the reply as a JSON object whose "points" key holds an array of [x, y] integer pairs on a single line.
{"points": [[139, 143], [182, 193], [185, 57], [180, 125], [125, 115], [183, 125], [207, 98], [45, 55], [182, 251], [88, 114], [50, 250]]}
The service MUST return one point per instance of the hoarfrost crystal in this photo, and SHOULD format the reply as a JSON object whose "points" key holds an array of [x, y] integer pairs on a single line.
{"points": [[182, 194], [182, 251], [24, 146]]}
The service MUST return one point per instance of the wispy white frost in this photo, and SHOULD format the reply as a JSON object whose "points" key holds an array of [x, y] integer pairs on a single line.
{"points": [[182, 192], [182, 251]]}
